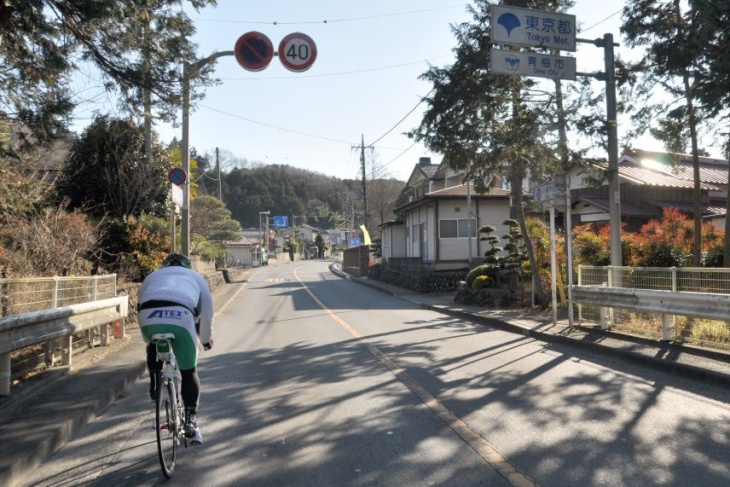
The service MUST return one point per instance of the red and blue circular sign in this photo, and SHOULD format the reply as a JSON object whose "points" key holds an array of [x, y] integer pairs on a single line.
{"points": [[177, 175], [297, 52], [254, 51]]}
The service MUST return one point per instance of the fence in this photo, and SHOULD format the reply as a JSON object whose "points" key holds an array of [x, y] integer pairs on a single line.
{"points": [[56, 328], [691, 327], [24, 295], [20, 296]]}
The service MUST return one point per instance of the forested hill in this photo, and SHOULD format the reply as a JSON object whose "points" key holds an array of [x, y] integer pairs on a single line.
{"points": [[303, 196]]}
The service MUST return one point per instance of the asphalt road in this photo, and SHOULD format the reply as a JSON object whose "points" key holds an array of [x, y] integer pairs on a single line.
{"points": [[319, 381]]}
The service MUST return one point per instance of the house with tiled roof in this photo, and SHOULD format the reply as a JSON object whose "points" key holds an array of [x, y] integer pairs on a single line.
{"points": [[650, 181], [244, 251], [439, 216]]}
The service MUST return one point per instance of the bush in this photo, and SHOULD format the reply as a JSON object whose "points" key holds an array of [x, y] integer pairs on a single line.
{"points": [[487, 270], [482, 282]]}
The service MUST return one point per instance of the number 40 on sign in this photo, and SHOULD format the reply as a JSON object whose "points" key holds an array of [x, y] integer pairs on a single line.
{"points": [[297, 52]]}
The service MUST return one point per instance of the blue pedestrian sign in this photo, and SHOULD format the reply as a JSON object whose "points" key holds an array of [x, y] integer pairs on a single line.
{"points": [[281, 221], [355, 241]]}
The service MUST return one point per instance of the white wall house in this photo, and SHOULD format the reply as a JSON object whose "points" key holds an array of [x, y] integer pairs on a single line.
{"points": [[434, 223]]}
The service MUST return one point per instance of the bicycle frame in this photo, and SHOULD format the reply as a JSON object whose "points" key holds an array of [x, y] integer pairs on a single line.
{"points": [[170, 412]]}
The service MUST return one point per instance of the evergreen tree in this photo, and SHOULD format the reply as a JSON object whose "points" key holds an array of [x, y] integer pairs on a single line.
{"points": [[489, 124], [675, 37], [136, 44], [210, 218], [106, 173]]}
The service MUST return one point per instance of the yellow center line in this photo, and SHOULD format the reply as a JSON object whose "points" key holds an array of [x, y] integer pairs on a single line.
{"points": [[480, 445]]}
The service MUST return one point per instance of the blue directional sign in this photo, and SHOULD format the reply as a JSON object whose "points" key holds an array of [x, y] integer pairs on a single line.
{"points": [[281, 221], [355, 241]]}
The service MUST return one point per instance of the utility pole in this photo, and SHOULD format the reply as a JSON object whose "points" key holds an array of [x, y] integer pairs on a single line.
{"points": [[726, 249], [218, 168], [190, 70], [364, 179]]}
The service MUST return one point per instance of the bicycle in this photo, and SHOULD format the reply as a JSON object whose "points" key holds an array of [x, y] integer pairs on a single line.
{"points": [[170, 410]]}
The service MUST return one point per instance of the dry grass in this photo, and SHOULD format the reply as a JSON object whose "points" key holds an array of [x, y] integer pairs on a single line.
{"points": [[712, 333]]}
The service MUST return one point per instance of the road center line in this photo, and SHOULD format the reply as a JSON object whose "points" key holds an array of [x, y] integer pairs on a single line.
{"points": [[480, 445]]}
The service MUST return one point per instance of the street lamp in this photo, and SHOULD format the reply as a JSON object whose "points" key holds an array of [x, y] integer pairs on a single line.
{"points": [[190, 69]]}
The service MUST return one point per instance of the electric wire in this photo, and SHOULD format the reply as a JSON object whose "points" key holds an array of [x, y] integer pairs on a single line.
{"points": [[601, 21], [325, 21], [342, 73], [274, 126], [404, 117]]}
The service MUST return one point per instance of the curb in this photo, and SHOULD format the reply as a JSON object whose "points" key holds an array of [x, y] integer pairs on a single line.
{"points": [[588, 340], [583, 343], [62, 430]]}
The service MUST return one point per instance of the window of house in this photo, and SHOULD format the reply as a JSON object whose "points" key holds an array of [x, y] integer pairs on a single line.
{"points": [[457, 228], [448, 229]]}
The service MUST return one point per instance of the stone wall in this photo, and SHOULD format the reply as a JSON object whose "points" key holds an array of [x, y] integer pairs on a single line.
{"points": [[422, 282], [488, 297]]}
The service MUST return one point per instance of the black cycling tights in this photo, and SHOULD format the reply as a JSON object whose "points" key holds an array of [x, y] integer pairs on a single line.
{"points": [[190, 381]]}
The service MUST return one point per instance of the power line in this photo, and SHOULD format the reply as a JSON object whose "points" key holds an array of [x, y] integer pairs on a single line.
{"points": [[402, 119], [342, 73], [602, 21], [275, 127], [325, 21]]}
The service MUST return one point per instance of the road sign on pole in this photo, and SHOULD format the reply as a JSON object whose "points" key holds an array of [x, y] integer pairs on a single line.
{"points": [[532, 64], [297, 52], [532, 28], [254, 51], [177, 176], [281, 221], [177, 195]]}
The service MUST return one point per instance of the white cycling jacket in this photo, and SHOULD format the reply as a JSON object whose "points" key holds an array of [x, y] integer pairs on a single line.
{"points": [[183, 286]]}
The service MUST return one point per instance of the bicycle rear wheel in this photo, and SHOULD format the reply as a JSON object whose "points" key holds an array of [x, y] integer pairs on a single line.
{"points": [[167, 423]]}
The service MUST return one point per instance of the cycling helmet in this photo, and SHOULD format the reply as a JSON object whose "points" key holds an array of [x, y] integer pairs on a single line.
{"points": [[177, 259]]}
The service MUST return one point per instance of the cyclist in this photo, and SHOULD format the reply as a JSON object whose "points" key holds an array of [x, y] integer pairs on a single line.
{"points": [[176, 299]]}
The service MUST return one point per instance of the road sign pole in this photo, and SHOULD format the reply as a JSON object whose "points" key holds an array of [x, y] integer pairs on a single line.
{"points": [[173, 230], [189, 70], [185, 223]]}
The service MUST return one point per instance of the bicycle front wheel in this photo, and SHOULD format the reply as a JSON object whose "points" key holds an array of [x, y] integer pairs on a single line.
{"points": [[167, 423]]}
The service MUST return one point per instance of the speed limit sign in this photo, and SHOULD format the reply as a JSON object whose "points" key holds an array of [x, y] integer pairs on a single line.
{"points": [[297, 52]]}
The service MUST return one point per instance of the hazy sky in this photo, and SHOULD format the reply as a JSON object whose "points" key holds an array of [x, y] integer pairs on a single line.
{"points": [[364, 82]]}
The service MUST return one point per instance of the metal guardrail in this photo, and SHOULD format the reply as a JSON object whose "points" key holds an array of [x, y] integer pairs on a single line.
{"points": [[666, 303], [713, 332], [57, 327]]}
